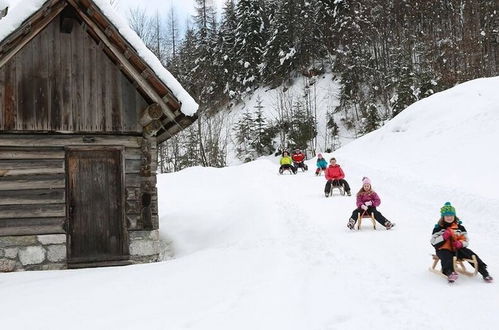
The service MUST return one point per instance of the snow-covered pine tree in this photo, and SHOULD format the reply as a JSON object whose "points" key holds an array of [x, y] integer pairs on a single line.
{"points": [[280, 50], [182, 65], [226, 51], [326, 15], [249, 43], [405, 87], [263, 133], [333, 131], [302, 128], [372, 120], [309, 48], [205, 69], [244, 131]]}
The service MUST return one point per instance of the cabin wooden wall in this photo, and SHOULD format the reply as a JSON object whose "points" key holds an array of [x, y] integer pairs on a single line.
{"points": [[33, 181], [64, 82]]}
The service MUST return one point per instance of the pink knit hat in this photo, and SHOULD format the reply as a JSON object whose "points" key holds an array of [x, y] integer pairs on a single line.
{"points": [[365, 180], [319, 155]]}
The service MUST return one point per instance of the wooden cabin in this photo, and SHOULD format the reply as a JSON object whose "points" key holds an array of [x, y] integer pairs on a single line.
{"points": [[83, 106]]}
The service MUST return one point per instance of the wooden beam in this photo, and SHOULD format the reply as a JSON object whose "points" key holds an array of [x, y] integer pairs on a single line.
{"points": [[32, 196], [31, 226], [151, 113], [32, 211], [21, 140], [153, 127], [127, 66], [33, 31], [170, 132], [26, 182]]}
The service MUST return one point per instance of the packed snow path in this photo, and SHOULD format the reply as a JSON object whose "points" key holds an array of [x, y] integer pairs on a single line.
{"points": [[256, 250]]}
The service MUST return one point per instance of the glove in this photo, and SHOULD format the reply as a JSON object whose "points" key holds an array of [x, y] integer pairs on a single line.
{"points": [[368, 203], [457, 244], [447, 234], [364, 207]]}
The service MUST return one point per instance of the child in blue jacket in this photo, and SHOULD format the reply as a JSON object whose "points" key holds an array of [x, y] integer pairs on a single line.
{"points": [[321, 164]]}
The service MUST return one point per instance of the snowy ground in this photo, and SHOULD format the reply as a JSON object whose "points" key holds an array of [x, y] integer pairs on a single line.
{"points": [[255, 250]]}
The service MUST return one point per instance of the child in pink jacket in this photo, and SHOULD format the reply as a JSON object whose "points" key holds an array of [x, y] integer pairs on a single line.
{"points": [[367, 202]]}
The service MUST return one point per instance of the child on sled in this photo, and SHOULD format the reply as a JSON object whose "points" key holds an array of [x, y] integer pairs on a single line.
{"points": [[335, 177], [449, 238], [321, 164], [286, 163], [367, 202]]}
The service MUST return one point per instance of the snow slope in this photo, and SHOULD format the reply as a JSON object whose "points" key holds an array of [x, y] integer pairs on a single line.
{"points": [[323, 97], [255, 250]]}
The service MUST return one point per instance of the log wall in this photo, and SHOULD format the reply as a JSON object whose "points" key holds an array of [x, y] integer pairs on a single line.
{"points": [[65, 82], [33, 181]]}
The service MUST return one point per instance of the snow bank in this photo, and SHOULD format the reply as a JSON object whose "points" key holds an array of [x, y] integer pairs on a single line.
{"points": [[22, 10]]}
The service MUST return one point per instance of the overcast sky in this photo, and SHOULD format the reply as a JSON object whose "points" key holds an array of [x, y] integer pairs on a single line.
{"points": [[184, 8]]}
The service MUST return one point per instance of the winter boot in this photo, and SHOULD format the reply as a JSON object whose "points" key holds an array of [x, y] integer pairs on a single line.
{"points": [[389, 225], [351, 224], [452, 277], [488, 279]]}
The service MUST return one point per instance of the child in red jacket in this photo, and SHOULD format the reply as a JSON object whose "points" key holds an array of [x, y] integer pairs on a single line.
{"points": [[450, 238], [335, 177], [299, 160]]}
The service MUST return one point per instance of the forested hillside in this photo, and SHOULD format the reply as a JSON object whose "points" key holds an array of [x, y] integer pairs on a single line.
{"points": [[386, 54]]}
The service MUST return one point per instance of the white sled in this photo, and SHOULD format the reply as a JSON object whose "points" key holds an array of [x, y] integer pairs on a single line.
{"points": [[458, 266]]}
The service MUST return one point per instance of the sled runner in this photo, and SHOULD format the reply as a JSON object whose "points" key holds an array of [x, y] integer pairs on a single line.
{"points": [[365, 215], [302, 165], [458, 266], [339, 187], [321, 171], [288, 170]]}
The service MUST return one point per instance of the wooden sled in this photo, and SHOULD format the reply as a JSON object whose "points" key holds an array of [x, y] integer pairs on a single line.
{"points": [[321, 172], [288, 170], [339, 187], [458, 266], [365, 215]]}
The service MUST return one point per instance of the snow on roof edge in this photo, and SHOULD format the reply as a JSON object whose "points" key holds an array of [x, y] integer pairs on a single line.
{"points": [[189, 105], [24, 9], [17, 15]]}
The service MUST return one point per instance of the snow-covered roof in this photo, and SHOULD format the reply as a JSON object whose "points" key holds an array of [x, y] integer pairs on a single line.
{"points": [[20, 10]]}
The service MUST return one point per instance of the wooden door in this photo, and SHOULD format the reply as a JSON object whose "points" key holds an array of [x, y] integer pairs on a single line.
{"points": [[96, 229]]}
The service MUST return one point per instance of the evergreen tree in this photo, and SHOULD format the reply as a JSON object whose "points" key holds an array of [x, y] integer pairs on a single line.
{"points": [[333, 131], [302, 129], [249, 43], [225, 53], [263, 134], [372, 120], [280, 50], [405, 87], [205, 69], [244, 130]]}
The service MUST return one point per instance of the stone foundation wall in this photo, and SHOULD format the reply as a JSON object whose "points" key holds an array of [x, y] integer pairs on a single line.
{"points": [[35, 252], [48, 252], [144, 246]]}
